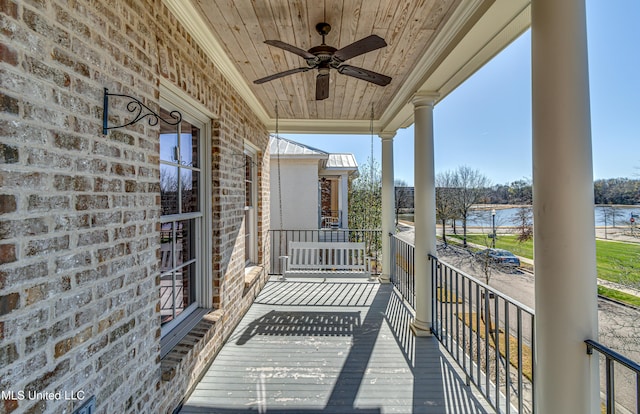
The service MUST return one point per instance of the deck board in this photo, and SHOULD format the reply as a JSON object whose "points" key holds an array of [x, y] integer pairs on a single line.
{"points": [[311, 347]]}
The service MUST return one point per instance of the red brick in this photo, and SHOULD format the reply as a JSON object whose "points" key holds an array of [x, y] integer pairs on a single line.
{"points": [[9, 303], [7, 203], [8, 55], [7, 253], [9, 8]]}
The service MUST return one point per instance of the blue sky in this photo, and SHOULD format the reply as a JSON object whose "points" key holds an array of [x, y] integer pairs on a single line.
{"points": [[486, 122]]}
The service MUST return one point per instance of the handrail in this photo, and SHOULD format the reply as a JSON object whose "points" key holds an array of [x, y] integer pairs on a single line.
{"points": [[611, 357], [591, 344]]}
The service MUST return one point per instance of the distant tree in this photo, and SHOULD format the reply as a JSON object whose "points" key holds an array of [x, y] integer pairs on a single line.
{"points": [[523, 220], [521, 192], [404, 197], [624, 191], [471, 186], [445, 200], [365, 198]]}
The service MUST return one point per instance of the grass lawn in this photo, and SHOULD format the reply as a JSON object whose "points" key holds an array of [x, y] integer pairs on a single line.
{"points": [[619, 296]]}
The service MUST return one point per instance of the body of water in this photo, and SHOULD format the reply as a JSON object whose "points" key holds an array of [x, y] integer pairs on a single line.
{"points": [[616, 216]]}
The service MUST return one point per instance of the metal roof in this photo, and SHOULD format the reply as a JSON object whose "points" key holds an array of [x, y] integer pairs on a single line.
{"points": [[290, 148], [341, 161]]}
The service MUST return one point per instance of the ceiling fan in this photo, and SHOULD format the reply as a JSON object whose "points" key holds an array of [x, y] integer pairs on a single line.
{"points": [[325, 57]]}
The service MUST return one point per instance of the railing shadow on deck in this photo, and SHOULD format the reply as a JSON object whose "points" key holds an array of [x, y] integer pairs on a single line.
{"points": [[437, 386], [421, 353], [285, 323]]}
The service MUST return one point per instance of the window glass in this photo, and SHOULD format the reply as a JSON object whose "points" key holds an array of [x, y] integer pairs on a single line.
{"points": [[189, 136], [190, 191], [180, 205], [250, 215], [168, 145], [169, 189]]}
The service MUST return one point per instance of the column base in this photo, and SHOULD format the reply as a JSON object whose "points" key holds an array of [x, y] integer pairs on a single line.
{"points": [[420, 329]]}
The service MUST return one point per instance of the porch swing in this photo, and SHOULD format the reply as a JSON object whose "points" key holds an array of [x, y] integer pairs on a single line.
{"points": [[318, 259]]}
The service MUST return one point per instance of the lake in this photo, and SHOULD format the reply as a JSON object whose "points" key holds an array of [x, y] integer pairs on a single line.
{"points": [[507, 216]]}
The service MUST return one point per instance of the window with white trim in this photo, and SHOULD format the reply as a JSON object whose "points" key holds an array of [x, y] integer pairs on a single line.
{"points": [[250, 210], [185, 269], [181, 217]]}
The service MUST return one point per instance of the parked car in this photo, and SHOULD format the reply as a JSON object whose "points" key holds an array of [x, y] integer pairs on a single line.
{"points": [[500, 256]]}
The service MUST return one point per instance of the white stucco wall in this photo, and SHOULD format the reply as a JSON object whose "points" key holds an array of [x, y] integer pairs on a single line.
{"points": [[299, 183]]}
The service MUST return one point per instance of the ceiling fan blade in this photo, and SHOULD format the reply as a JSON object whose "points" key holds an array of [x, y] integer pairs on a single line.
{"points": [[364, 74], [281, 74], [360, 47], [322, 86], [290, 48]]}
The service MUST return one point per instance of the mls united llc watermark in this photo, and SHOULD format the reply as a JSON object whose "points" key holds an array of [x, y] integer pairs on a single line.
{"points": [[42, 395]]}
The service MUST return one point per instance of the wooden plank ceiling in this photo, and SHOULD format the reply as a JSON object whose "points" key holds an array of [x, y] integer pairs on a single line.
{"points": [[242, 26]]}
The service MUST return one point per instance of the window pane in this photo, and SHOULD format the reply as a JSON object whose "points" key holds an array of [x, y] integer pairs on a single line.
{"points": [[190, 181], [168, 146], [248, 174], [189, 141], [247, 235], [185, 241], [166, 247], [169, 189], [166, 297], [168, 138], [184, 287], [248, 181], [248, 199]]}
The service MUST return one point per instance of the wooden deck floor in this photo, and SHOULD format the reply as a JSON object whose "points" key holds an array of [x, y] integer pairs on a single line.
{"points": [[331, 347]]}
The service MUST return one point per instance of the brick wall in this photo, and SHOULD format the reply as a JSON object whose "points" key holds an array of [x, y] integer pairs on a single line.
{"points": [[79, 289]]}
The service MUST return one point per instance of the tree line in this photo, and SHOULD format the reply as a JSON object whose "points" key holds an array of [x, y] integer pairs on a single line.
{"points": [[621, 191], [460, 189]]}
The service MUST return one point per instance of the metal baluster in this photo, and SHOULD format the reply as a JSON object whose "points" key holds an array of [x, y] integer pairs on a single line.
{"points": [[520, 381], [457, 317], [443, 295], [478, 359], [470, 328], [638, 393], [464, 330], [496, 330], [487, 322], [611, 407], [434, 304], [533, 371], [507, 337]]}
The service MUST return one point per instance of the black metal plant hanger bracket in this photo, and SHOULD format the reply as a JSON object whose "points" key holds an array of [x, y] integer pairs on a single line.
{"points": [[140, 112]]}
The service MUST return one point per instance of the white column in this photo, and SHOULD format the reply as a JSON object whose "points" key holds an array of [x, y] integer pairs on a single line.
{"points": [[388, 203], [425, 209], [567, 378]]}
